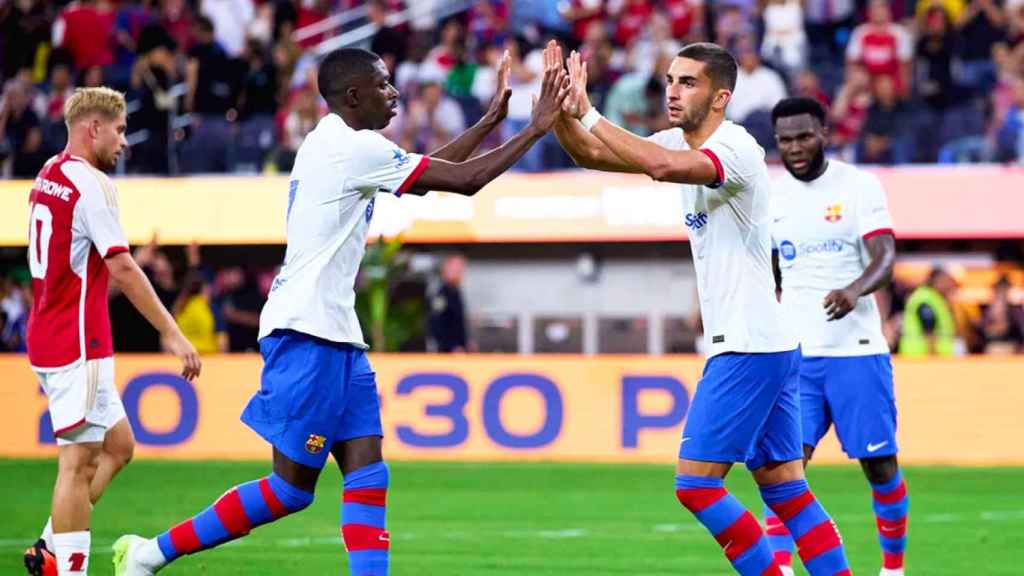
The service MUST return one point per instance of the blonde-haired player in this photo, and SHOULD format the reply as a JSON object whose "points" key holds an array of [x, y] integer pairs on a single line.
{"points": [[75, 246]]}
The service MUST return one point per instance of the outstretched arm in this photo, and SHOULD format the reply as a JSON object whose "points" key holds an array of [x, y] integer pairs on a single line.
{"points": [[582, 146], [465, 144], [469, 177], [681, 166]]}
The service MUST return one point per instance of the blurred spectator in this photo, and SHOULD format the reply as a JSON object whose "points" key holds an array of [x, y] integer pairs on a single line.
{"points": [[758, 89], [982, 25], [15, 303], [309, 13], [731, 23], [629, 18], [85, 29], [49, 106], [1002, 322], [133, 333], [850, 107], [598, 51], [25, 30], [637, 101], [884, 137], [129, 22], [257, 106], [213, 87], [152, 77], [929, 326], [387, 42], [301, 119], [525, 80], [654, 48], [242, 302], [231, 20], [445, 55], [581, 14], [686, 18], [785, 44], [176, 18], [488, 22], [828, 24], [935, 52], [433, 119], [193, 309], [808, 85], [883, 47], [91, 77], [21, 130], [447, 311], [1010, 134]]}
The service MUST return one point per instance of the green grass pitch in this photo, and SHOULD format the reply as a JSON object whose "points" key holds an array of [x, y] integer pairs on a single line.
{"points": [[527, 519]]}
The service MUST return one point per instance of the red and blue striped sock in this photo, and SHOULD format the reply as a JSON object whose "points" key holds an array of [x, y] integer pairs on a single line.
{"points": [[779, 538], [363, 513], [817, 538], [891, 505], [732, 525], [233, 515]]}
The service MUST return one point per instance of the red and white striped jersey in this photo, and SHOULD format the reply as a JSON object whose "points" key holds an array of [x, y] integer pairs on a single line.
{"points": [[73, 225]]}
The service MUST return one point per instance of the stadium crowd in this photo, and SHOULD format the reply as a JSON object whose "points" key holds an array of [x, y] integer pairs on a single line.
{"points": [[229, 85]]}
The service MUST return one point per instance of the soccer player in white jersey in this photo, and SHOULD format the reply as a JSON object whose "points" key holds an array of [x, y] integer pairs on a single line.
{"points": [[746, 407], [318, 393], [834, 247], [76, 246]]}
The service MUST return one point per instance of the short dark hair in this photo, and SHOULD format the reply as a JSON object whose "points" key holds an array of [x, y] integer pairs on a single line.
{"points": [[796, 106], [719, 64], [340, 68]]}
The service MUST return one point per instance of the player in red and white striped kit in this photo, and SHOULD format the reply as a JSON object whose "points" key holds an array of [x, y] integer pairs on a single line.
{"points": [[75, 246]]}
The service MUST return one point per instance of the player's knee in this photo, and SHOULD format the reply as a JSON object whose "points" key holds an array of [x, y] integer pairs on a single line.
{"points": [[880, 470], [293, 498]]}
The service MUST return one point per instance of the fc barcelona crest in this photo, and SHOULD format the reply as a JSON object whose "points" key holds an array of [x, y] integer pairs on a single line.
{"points": [[834, 213], [315, 443]]}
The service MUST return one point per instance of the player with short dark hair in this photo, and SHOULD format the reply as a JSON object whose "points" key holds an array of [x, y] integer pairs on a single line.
{"points": [[746, 407], [834, 246], [318, 393]]}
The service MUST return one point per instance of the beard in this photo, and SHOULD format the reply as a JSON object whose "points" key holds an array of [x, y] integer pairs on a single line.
{"points": [[106, 160], [694, 117], [813, 167]]}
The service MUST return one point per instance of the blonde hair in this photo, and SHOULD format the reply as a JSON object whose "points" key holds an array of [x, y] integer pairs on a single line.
{"points": [[86, 101]]}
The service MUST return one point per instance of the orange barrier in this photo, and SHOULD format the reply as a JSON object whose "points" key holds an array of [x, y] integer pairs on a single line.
{"points": [[926, 202], [570, 408]]}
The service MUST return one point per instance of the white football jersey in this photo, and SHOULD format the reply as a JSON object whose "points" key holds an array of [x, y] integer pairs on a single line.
{"points": [[338, 171], [819, 231], [729, 226]]}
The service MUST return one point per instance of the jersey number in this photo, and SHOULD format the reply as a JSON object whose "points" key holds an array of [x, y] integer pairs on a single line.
{"points": [[77, 562], [39, 232]]}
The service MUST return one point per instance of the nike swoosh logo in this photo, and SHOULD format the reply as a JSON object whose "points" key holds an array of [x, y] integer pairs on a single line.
{"points": [[876, 447]]}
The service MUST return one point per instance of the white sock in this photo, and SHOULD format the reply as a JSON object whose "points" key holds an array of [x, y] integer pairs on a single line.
{"points": [[150, 555], [72, 552], [47, 535], [891, 572]]}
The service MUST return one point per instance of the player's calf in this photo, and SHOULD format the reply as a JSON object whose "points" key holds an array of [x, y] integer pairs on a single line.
{"points": [[232, 516], [891, 505], [732, 525], [817, 538], [363, 515]]}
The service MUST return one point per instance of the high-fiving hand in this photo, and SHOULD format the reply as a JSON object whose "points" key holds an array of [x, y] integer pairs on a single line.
{"points": [[554, 90], [498, 109], [578, 103]]}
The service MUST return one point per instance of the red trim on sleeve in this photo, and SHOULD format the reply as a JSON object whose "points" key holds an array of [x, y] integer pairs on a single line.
{"points": [[69, 428], [413, 176], [879, 232], [718, 167], [115, 250]]}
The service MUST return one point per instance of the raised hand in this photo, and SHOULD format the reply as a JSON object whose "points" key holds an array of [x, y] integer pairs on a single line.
{"points": [[577, 104], [498, 109], [554, 89]]}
